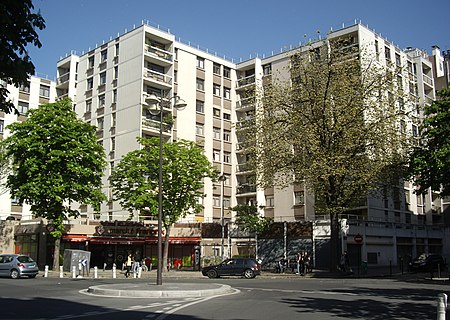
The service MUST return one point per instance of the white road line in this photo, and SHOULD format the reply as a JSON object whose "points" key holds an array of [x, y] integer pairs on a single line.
{"points": [[302, 291]]}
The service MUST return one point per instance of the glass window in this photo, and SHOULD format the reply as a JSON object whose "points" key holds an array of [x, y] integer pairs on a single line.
{"points": [[226, 116], [2, 125], [267, 69], [226, 135], [216, 155], [25, 87], [91, 62], [117, 49], [227, 93], [116, 72], [103, 78], [227, 157], [104, 55], [199, 129], [216, 89], [299, 198], [200, 63], [23, 107], [90, 83], [216, 201], [270, 201], [216, 112], [44, 91], [114, 96], [216, 133], [101, 100], [200, 106], [226, 72], [216, 68], [113, 119], [100, 123], [200, 84], [88, 105]]}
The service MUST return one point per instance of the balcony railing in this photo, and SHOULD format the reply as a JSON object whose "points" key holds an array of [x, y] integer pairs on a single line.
{"points": [[63, 78], [245, 103], [160, 77], [153, 124], [159, 53], [246, 81], [428, 80], [246, 188]]}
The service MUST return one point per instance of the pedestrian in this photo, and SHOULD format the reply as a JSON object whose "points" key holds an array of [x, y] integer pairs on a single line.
{"points": [[128, 264], [300, 263], [307, 260], [347, 262], [136, 264]]}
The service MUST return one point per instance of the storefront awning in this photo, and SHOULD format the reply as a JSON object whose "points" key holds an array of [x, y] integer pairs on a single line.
{"points": [[74, 237], [97, 240]]}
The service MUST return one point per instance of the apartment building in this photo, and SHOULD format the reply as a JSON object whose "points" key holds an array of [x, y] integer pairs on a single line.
{"points": [[109, 86], [37, 91]]}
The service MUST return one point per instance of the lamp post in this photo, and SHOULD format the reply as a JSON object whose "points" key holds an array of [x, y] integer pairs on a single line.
{"points": [[222, 179], [154, 102]]}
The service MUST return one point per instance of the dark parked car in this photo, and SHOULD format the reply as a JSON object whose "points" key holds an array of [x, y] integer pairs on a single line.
{"points": [[246, 267], [17, 265], [427, 262]]}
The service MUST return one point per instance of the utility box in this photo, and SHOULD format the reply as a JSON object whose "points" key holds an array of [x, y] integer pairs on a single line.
{"points": [[79, 259]]}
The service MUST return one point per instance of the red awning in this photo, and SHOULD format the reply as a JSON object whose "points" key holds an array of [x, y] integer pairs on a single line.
{"points": [[74, 237], [95, 240]]}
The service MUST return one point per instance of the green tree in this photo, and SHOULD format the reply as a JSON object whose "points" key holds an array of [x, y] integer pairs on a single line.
{"points": [[4, 168], [332, 125], [430, 161], [18, 24], [135, 181], [248, 218], [56, 160]]}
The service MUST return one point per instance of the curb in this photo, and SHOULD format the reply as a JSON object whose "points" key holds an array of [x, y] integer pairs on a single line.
{"points": [[164, 291]]}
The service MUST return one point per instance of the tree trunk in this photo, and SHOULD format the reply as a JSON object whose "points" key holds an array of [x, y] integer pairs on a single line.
{"points": [[56, 254], [334, 241], [166, 250]]}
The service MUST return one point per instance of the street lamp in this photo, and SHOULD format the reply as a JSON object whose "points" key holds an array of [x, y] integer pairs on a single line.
{"points": [[222, 179], [156, 106]]}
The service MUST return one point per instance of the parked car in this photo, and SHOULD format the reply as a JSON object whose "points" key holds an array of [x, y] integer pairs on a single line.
{"points": [[246, 267], [17, 265], [427, 262]]}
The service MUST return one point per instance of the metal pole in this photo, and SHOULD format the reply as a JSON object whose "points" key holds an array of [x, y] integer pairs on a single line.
{"points": [[159, 270], [222, 218]]}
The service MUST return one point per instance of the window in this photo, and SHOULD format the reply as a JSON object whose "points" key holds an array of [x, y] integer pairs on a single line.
{"points": [[91, 62], [270, 201], [176, 53], [113, 144], [415, 131], [88, 106], [200, 84], [113, 119], [2, 126], [200, 63], [25, 87], [90, 83], [227, 157], [199, 129], [175, 76], [216, 68], [44, 91], [267, 69], [397, 60], [226, 202], [200, 106], [216, 201], [377, 50], [216, 155], [226, 135], [216, 133], [23, 107], [103, 78], [387, 53], [101, 101], [216, 89], [226, 116], [116, 72], [226, 93], [116, 49], [114, 98], [226, 72], [100, 123], [216, 112], [299, 197], [103, 55]]}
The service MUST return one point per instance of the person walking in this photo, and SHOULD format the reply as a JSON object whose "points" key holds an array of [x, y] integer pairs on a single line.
{"points": [[128, 264]]}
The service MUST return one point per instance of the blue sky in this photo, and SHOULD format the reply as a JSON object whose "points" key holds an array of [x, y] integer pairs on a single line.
{"points": [[236, 29]]}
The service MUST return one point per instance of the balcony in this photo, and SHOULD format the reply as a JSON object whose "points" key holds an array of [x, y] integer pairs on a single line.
{"points": [[159, 55], [246, 104], [157, 79], [244, 82], [243, 168], [153, 125], [428, 81], [245, 123], [246, 188], [63, 79]]}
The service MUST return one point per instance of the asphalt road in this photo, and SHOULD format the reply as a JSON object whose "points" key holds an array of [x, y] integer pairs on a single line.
{"points": [[260, 298]]}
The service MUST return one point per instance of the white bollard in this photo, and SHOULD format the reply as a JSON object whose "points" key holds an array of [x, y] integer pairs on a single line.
{"points": [[114, 272], [442, 305], [134, 274], [139, 272], [74, 272], [61, 272], [46, 272], [95, 273]]}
